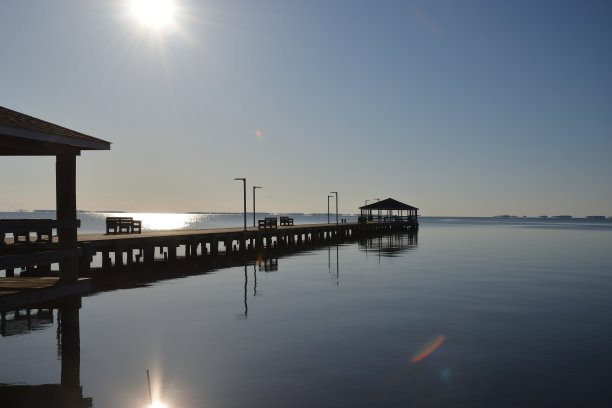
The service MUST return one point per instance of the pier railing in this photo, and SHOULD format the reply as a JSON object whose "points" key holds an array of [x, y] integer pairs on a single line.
{"points": [[32, 242], [25, 228]]}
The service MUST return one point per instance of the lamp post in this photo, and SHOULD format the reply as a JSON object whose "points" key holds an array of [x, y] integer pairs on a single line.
{"points": [[328, 197], [378, 199], [254, 187], [244, 185], [366, 202], [336, 193]]}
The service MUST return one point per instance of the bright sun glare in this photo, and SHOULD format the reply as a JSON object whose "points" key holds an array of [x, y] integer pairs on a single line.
{"points": [[154, 13]]}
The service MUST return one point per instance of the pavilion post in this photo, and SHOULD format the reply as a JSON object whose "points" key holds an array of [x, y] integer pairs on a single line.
{"points": [[65, 188]]}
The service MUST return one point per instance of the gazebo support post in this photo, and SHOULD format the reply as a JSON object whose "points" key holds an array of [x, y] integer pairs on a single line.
{"points": [[65, 188]]}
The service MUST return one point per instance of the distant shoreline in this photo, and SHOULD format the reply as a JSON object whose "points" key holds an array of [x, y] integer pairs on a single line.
{"points": [[501, 217]]}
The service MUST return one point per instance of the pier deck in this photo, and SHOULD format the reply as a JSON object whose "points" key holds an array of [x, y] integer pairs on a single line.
{"points": [[208, 231], [142, 248], [152, 246], [21, 292]]}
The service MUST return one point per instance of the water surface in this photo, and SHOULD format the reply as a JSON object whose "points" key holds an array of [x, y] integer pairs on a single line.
{"points": [[519, 310]]}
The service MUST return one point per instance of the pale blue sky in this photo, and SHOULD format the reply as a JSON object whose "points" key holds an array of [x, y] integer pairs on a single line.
{"points": [[456, 107]]}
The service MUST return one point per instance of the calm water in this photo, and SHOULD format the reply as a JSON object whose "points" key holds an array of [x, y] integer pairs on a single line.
{"points": [[516, 313]]}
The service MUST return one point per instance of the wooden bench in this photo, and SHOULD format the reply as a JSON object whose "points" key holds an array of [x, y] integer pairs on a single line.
{"points": [[267, 223], [286, 221], [123, 225], [22, 228]]}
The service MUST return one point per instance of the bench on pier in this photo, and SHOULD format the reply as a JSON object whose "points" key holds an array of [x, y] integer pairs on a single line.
{"points": [[267, 223], [123, 225], [286, 221], [22, 228]]}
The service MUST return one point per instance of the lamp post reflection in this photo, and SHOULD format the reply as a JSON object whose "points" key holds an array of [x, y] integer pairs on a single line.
{"points": [[337, 263], [255, 278], [246, 282], [337, 266]]}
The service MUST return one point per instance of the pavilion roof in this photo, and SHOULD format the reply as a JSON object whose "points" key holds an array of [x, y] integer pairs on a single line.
{"points": [[388, 204], [21, 134]]}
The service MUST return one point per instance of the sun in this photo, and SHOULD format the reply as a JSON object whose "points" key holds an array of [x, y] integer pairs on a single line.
{"points": [[153, 13]]}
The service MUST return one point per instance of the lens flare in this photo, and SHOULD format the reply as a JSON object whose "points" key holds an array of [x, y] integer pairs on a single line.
{"points": [[428, 348], [154, 13]]}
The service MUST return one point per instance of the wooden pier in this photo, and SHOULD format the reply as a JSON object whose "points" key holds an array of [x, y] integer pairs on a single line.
{"points": [[20, 292], [149, 246], [124, 251], [127, 249]]}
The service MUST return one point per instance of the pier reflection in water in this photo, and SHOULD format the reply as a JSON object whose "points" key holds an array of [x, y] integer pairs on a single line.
{"points": [[68, 393], [389, 245], [268, 264]]}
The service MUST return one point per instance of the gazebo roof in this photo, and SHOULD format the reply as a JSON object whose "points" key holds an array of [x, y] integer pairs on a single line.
{"points": [[388, 204], [24, 135]]}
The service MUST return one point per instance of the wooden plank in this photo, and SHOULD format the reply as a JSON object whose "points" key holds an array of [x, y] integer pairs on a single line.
{"points": [[37, 258], [16, 293], [164, 234]]}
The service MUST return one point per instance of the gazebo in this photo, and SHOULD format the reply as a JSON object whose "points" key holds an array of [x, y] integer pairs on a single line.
{"points": [[23, 135], [390, 210]]}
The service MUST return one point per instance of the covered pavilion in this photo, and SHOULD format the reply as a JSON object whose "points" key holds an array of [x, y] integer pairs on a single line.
{"points": [[389, 210], [23, 135]]}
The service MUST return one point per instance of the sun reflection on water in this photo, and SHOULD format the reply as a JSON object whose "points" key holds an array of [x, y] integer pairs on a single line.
{"points": [[162, 221]]}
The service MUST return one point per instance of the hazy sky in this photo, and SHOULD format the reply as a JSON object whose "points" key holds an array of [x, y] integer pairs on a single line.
{"points": [[456, 107]]}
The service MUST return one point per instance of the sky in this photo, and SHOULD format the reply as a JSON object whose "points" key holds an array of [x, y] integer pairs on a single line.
{"points": [[459, 108]]}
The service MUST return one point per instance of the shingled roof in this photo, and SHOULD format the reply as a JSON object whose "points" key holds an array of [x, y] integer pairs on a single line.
{"points": [[21, 133], [388, 204]]}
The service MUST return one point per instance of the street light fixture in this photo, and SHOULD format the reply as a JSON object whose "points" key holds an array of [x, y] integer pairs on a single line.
{"points": [[244, 185], [328, 197], [336, 193], [254, 187]]}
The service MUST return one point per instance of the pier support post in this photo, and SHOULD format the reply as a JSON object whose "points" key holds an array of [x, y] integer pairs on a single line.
{"points": [[106, 260], [130, 256], [149, 254], [118, 256], [65, 193], [85, 259], [171, 252]]}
